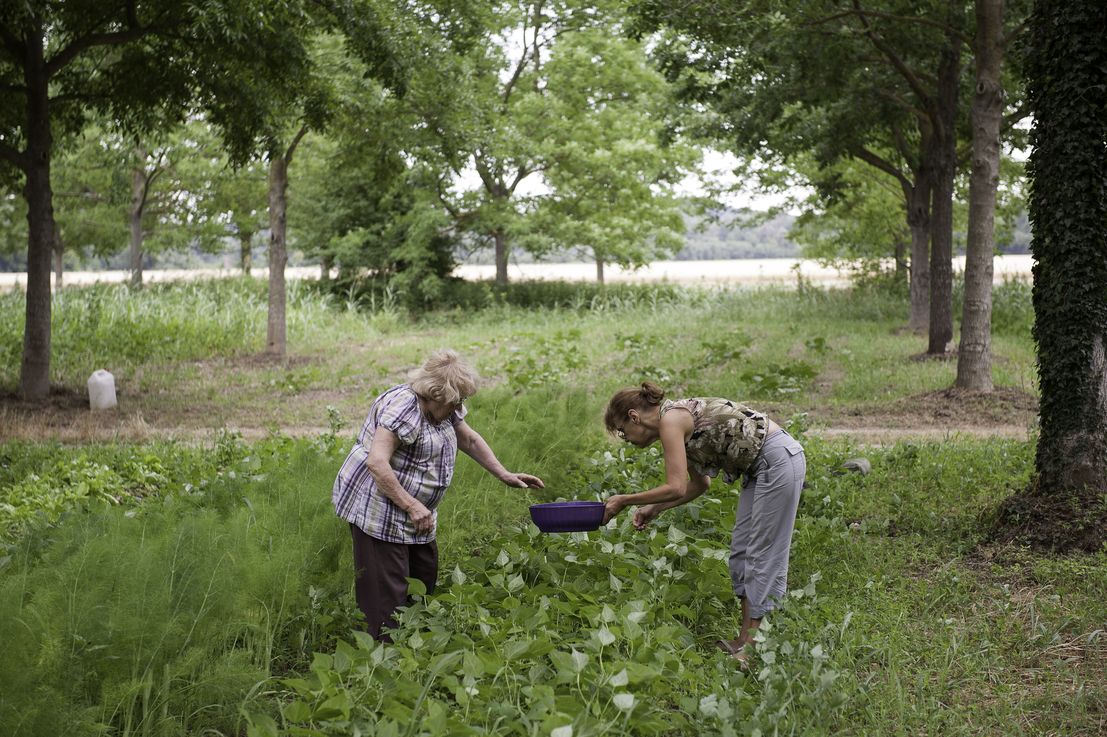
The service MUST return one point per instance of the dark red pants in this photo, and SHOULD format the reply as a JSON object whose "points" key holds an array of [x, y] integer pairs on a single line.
{"points": [[381, 570]]}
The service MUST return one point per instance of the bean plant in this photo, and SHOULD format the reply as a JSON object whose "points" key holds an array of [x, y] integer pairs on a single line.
{"points": [[602, 633]]}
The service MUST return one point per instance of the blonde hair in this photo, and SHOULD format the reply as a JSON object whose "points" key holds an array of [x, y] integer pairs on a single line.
{"points": [[445, 377], [641, 397]]}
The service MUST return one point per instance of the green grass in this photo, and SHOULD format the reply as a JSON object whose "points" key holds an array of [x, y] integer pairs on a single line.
{"points": [[175, 588]]}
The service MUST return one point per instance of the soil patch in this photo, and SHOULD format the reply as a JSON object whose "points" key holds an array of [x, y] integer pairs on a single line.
{"points": [[1064, 523], [949, 408]]}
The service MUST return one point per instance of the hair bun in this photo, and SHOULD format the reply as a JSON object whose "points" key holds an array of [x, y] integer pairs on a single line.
{"points": [[651, 392]]}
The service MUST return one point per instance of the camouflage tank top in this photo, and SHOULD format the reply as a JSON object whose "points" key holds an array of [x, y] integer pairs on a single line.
{"points": [[726, 436]]}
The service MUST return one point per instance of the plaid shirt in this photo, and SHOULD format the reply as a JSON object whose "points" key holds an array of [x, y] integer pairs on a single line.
{"points": [[423, 464]]}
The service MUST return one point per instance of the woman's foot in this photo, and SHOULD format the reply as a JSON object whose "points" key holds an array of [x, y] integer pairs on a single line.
{"points": [[736, 649]]}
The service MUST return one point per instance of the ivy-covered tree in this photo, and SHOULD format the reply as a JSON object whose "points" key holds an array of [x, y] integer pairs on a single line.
{"points": [[1065, 74]]}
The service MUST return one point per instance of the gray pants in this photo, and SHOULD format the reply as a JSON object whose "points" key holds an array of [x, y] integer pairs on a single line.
{"points": [[763, 528]]}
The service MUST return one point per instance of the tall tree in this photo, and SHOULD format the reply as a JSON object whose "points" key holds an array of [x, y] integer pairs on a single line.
{"points": [[236, 197], [974, 356], [486, 108], [366, 208], [853, 217], [1068, 209], [289, 114], [875, 81], [143, 63], [611, 161], [113, 191]]}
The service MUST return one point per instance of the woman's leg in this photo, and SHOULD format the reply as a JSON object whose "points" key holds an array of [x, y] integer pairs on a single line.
{"points": [[380, 580], [423, 564], [739, 541], [773, 517]]}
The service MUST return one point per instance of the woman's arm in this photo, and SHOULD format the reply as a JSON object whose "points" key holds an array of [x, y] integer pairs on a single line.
{"points": [[470, 442], [672, 429], [697, 484], [379, 462]]}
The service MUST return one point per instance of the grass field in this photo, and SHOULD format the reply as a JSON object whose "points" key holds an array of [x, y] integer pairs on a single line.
{"points": [[162, 574]]}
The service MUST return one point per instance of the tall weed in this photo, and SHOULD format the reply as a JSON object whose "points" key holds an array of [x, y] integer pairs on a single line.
{"points": [[162, 619]]}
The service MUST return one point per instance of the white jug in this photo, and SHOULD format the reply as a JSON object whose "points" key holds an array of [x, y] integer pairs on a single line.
{"points": [[101, 390]]}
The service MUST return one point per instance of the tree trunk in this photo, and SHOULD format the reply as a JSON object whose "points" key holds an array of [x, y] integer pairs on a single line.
{"points": [[1068, 209], [325, 268], [59, 263], [275, 343], [138, 205], [34, 370], [599, 269], [918, 221], [901, 261], [245, 257], [974, 358], [501, 257], [941, 211]]}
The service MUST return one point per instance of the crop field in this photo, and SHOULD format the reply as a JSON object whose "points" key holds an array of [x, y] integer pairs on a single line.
{"points": [[175, 567]]}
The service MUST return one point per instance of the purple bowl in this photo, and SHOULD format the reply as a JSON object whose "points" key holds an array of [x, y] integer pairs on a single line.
{"points": [[567, 516]]}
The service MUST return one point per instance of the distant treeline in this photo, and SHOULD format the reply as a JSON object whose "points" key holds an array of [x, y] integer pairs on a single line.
{"points": [[714, 238]]}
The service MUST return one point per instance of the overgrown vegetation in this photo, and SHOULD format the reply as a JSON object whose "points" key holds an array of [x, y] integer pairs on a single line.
{"points": [[185, 588]]}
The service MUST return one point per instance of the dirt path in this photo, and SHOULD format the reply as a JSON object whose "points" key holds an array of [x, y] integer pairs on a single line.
{"points": [[68, 420]]}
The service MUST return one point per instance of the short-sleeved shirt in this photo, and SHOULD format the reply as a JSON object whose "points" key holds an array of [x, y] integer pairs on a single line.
{"points": [[726, 436], [423, 463]]}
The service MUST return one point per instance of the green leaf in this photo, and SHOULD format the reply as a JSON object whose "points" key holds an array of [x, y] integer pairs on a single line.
{"points": [[416, 588], [296, 711], [623, 701]]}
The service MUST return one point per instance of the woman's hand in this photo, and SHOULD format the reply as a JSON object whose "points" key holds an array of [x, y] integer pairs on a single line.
{"points": [[522, 481], [614, 504], [421, 517], [644, 515]]}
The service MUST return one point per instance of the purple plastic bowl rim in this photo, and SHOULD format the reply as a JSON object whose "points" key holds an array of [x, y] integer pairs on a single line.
{"points": [[552, 506]]}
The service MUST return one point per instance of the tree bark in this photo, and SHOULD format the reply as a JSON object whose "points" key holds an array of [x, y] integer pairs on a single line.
{"points": [[501, 256], [599, 269], [974, 357], [245, 257], [138, 207], [275, 343], [59, 263], [1068, 209], [918, 221], [941, 211], [34, 371], [901, 261]]}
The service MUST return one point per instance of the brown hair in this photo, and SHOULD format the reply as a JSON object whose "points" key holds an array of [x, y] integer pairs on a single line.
{"points": [[642, 397]]}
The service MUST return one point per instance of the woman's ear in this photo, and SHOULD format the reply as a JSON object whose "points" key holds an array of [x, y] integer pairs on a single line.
{"points": [[634, 416]]}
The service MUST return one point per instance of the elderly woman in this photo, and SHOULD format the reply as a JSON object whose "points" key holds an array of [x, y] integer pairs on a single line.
{"points": [[393, 480]]}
